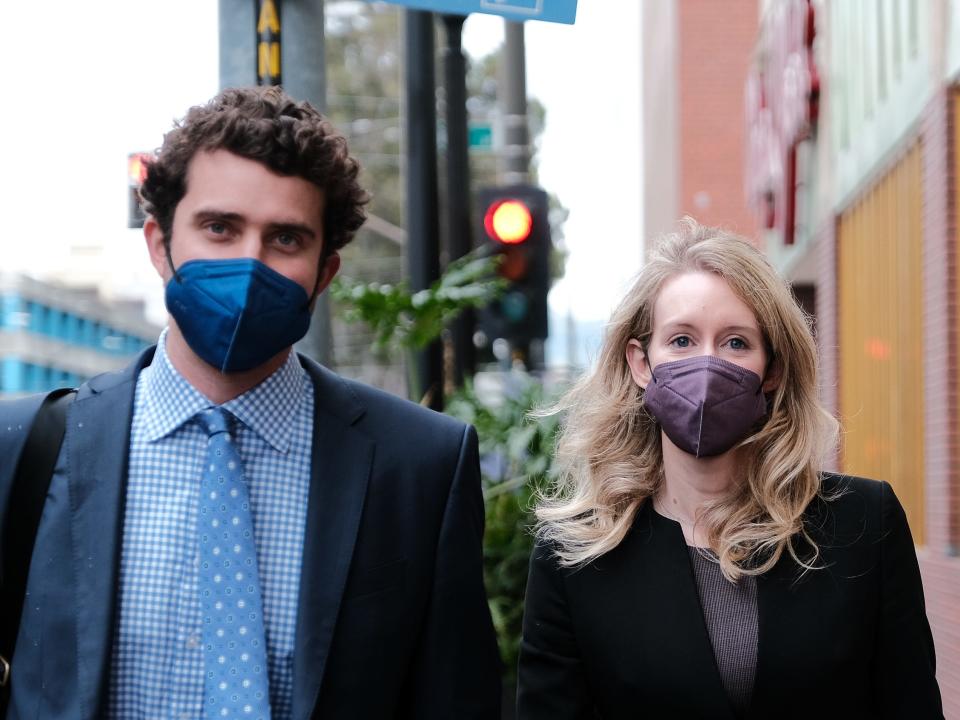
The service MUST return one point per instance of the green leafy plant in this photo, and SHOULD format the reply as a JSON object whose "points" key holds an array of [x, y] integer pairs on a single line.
{"points": [[404, 319], [517, 454], [516, 451]]}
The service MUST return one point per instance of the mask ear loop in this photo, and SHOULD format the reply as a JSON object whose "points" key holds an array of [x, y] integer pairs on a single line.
{"points": [[646, 359], [176, 275], [772, 359], [316, 285]]}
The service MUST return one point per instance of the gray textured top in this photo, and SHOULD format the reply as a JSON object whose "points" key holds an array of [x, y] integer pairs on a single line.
{"points": [[730, 613]]}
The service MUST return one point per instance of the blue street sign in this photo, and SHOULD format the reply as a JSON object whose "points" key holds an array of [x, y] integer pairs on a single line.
{"points": [[558, 11]]}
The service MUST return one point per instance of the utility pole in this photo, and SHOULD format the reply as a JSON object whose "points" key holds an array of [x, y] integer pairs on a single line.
{"points": [[423, 249], [238, 43], [252, 53], [459, 228], [515, 160], [304, 77]]}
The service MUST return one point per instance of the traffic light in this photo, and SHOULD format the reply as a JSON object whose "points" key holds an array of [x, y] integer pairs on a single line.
{"points": [[514, 225], [136, 172]]}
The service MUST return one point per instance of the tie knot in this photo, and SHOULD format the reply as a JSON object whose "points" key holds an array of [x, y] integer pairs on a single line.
{"points": [[215, 420]]}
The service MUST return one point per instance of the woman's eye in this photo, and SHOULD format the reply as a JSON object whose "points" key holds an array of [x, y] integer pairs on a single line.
{"points": [[737, 344], [681, 342]]}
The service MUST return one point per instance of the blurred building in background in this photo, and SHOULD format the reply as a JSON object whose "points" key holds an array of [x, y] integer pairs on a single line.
{"points": [[852, 121], [53, 336], [696, 56]]}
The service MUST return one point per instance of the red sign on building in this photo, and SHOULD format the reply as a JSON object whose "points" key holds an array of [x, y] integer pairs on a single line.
{"points": [[782, 102]]}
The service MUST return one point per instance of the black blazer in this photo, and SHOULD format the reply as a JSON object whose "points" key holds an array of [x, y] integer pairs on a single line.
{"points": [[392, 619], [624, 637]]}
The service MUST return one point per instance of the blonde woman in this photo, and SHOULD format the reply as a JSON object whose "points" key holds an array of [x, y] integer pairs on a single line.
{"points": [[693, 560]]}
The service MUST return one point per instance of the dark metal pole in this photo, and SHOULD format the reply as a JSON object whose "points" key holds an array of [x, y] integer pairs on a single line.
{"points": [[423, 253], [459, 240]]}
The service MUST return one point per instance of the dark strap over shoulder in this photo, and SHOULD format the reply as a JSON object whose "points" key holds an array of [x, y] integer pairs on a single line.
{"points": [[24, 509]]}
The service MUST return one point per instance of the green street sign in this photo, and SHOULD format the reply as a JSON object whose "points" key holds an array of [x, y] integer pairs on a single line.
{"points": [[480, 136]]}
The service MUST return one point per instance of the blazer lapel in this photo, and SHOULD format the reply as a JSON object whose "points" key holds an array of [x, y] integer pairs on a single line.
{"points": [[97, 440], [794, 625], [341, 465], [668, 639]]}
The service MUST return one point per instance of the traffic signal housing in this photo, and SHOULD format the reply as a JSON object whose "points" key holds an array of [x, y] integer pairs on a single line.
{"points": [[514, 224], [136, 173]]}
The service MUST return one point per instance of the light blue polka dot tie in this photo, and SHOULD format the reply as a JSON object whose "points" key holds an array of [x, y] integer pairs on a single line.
{"points": [[236, 682]]}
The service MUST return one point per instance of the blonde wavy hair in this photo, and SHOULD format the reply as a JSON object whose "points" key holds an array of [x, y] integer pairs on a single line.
{"points": [[609, 456]]}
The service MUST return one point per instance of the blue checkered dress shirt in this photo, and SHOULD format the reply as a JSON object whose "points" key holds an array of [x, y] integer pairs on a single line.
{"points": [[157, 662]]}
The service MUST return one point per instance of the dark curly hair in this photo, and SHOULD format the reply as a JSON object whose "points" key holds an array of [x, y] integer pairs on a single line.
{"points": [[267, 125]]}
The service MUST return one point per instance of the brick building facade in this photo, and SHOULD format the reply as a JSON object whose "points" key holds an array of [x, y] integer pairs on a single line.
{"points": [[877, 187], [695, 60], [845, 173]]}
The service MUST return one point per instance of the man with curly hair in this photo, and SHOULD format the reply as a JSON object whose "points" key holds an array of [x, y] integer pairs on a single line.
{"points": [[233, 531]]}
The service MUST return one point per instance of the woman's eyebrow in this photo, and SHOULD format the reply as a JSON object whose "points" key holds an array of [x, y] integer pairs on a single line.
{"points": [[742, 329]]}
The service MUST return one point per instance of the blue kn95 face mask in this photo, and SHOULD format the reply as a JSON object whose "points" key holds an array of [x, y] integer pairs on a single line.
{"points": [[236, 314]]}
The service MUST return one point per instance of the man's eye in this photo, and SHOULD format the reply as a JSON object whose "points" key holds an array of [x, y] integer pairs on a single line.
{"points": [[217, 228], [287, 239]]}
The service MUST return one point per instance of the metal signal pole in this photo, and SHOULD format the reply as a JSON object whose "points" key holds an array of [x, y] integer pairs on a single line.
{"points": [[459, 235], [423, 255], [261, 46], [515, 161]]}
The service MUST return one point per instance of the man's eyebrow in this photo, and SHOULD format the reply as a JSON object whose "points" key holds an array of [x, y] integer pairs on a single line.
{"points": [[201, 215], [294, 227]]}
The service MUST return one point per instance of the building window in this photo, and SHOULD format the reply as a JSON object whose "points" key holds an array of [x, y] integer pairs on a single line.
{"points": [[879, 246]]}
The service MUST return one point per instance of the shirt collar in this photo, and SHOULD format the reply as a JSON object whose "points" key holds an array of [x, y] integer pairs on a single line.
{"points": [[269, 409]]}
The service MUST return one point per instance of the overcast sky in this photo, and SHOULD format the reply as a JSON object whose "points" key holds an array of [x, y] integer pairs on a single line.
{"points": [[588, 77], [90, 82]]}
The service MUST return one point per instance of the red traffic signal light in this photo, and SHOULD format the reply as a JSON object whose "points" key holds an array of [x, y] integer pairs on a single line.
{"points": [[136, 174], [508, 221], [137, 167]]}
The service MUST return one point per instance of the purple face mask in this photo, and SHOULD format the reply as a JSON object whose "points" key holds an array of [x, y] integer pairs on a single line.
{"points": [[704, 404]]}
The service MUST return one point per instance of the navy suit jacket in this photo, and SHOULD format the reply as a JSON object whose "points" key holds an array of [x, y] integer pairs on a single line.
{"points": [[392, 619]]}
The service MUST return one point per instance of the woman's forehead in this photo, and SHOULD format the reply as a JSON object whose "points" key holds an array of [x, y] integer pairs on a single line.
{"points": [[699, 293]]}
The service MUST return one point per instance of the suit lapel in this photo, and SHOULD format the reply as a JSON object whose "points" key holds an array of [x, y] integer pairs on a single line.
{"points": [[793, 627], [97, 441], [341, 465], [675, 646]]}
